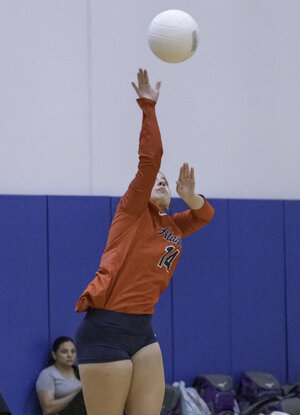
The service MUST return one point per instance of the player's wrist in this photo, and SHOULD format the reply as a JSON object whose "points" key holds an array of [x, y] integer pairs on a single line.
{"points": [[146, 101], [195, 201]]}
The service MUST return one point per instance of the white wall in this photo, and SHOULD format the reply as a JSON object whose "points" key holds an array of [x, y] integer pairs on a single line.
{"points": [[69, 122]]}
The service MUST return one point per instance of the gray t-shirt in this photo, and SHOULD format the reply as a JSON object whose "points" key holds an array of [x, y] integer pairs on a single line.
{"points": [[50, 379]]}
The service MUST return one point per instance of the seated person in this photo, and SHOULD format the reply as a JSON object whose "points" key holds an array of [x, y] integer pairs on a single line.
{"points": [[58, 386]]}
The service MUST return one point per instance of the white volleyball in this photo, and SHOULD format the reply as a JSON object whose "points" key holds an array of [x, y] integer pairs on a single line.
{"points": [[173, 36]]}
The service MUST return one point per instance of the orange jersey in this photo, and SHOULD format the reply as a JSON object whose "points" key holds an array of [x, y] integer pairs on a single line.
{"points": [[144, 243]]}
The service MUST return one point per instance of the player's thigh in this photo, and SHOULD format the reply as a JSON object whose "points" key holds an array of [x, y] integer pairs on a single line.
{"points": [[105, 386], [148, 382]]}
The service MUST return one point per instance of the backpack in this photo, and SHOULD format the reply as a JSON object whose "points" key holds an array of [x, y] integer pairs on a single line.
{"points": [[261, 393], [217, 391], [290, 406], [257, 386]]}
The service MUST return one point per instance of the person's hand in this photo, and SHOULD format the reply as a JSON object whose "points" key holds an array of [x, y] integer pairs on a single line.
{"points": [[186, 182], [144, 89]]}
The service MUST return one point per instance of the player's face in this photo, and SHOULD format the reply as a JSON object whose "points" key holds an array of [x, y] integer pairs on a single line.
{"points": [[66, 354], [161, 194]]}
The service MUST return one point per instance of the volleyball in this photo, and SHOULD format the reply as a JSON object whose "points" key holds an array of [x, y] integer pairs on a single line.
{"points": [[173, 36]]}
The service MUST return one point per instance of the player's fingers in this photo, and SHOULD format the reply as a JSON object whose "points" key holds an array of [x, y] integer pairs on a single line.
{"points": [[157, 86], [192, 173], [185, 170], [146, 77], [135, 87], [180, 177], [140, 78], [188, 170]]}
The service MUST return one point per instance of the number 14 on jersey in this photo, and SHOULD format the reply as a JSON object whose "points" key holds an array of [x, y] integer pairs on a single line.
{"points": [[167, 259]]}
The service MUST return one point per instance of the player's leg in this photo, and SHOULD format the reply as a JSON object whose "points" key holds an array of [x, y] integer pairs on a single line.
{"points": [[105, 386], [148, 382]]}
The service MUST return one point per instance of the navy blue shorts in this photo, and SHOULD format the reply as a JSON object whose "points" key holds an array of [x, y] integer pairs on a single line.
{"points": [[108, 336]]}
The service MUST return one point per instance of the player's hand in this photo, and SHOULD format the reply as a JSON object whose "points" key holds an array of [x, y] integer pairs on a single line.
{"points": [[186, 182], [144, 89]]}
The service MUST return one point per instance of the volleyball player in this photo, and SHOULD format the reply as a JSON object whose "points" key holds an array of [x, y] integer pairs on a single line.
{"points": [[120, 360]]}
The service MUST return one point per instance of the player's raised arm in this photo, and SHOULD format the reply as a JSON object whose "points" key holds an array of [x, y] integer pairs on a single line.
{"points": [[150, 150]]}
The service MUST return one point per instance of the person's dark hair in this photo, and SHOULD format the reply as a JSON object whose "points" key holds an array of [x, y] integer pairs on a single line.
{"points": [[57, 342], [62, 339]]}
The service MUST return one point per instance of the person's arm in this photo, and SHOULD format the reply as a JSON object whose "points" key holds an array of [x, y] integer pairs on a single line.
{"points": [[50, 405], [150, 148], [200, 212]]}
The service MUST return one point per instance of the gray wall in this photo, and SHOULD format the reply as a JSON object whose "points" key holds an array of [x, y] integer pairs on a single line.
{"points": [[69, 123]]}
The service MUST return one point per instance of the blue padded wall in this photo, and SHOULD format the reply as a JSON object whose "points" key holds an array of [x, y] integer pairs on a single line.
{"points": [[232, 304], [23, 299], [258, 286], [162, 319], [292, 224], [202, 341], [78, 230]]}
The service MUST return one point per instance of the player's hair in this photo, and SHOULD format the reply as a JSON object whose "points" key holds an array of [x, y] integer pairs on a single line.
{"points": [[161, 172]]}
